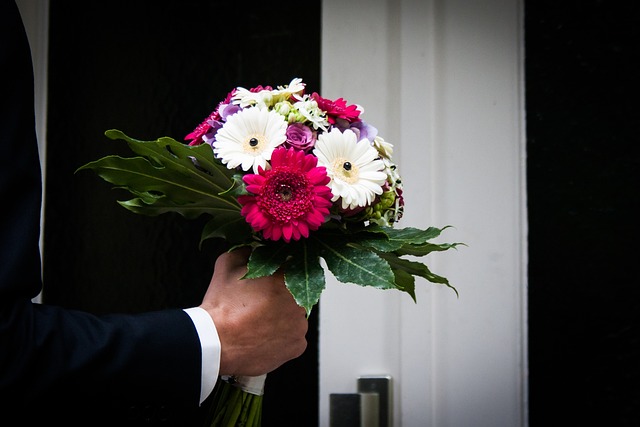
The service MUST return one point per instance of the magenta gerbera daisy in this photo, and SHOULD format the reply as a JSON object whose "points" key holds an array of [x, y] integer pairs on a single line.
{"points": [[338, 109], [288, 200]]}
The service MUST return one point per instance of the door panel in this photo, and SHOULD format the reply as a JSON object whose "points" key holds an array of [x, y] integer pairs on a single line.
{"points": [[442, 81]]}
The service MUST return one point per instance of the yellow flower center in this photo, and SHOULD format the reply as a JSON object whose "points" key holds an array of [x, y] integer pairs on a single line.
{"points": [[254, 143], [345, 170]]}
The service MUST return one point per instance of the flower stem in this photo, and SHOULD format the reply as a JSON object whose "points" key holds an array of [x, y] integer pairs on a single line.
{"points": [[232, 406]]}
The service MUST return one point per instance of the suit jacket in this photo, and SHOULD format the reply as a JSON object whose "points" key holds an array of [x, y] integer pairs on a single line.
{"points": [[59, 364]]}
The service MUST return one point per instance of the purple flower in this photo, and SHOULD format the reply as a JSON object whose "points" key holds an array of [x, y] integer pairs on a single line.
{"points": [[366, 130], [227, 110], [210, 136], [224, 111], [300, 137], [362, 129]]}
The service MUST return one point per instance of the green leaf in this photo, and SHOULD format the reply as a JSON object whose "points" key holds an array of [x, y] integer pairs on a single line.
{"points": [[413, 235], [353, 265], [170, 153], [145, 196], [379, 242], [158, 151], [231, 227], [405, 282], [425, 248], [304, 276], [265, 260], [169, 177], [387, 239], [161, 204], [415, 269]]}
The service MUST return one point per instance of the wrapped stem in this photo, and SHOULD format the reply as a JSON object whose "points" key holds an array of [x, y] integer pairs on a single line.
{"points": [[237, 402]]}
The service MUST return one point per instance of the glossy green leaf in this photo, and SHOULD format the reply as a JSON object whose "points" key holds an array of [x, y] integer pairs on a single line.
{"points": [[304, 276], [425, 248], [354, 265], [231, 227], [405, 282], [170, 177], [162, 149], [389, 239], [415, 269], [266, 259]]}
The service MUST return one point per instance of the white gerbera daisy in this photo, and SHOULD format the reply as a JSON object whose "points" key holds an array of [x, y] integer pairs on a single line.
{"points": [[356, 172], [249, 137]]}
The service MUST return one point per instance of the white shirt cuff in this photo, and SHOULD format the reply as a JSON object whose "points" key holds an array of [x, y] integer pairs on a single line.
{"points": [[211, 348]]}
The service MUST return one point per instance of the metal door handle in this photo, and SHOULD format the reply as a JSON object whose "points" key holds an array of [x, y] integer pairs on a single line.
{"points": [[371, 406]]}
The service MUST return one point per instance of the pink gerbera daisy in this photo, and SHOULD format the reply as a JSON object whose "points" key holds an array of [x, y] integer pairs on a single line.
{"points": [[337, 109], [288, 200]]}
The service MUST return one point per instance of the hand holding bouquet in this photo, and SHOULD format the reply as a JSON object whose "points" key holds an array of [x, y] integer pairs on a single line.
{"points": [[296, 177]]}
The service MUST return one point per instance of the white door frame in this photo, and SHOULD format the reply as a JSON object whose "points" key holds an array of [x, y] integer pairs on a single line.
{"points": [[35, 17], [443, 81]]}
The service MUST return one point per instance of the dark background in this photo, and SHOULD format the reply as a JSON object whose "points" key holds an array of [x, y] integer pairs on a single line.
{"points": [[583, 164], [155, 69]]}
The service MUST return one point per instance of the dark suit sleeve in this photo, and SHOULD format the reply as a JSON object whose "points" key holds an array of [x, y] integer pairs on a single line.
{"points": [[49, 353]]}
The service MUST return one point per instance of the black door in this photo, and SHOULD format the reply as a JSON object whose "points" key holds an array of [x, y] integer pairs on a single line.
{"points": [[156, 69], [583, 192]]}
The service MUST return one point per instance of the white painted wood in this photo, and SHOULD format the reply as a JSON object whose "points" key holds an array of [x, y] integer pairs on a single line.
{"points": [[443, 81], [35, 17]]}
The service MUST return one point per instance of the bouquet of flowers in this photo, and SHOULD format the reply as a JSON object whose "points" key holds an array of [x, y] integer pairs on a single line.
{"points": [[297, 177]]}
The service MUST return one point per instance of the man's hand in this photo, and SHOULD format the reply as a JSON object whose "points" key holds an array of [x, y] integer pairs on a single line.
{"points": [[259, 323]]}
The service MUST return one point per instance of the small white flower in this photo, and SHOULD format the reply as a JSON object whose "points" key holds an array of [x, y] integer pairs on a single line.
{"points": [[384, 148], [391, 170], [267, 98], [245, 98], [356, 173], [295, 87], [249, 137], [308, 108]]}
